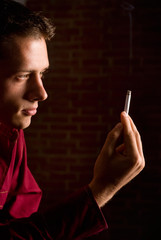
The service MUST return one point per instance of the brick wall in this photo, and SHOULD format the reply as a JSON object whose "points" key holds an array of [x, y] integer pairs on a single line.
{"points": [[90, 73]]}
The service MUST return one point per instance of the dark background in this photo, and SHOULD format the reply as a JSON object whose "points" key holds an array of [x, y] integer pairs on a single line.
{"points": [[91, 70]]}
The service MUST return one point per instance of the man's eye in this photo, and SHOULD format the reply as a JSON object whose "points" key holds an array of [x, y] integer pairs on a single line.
{"points": [[23, 77], [42, 75]]}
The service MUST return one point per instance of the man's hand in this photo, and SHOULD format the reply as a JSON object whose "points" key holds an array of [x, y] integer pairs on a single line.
{"points": [[117, 164]]}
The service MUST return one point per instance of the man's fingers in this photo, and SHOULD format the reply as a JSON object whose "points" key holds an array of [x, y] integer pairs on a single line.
{"points": [[137, 135], [129, 136], [132, 139]]}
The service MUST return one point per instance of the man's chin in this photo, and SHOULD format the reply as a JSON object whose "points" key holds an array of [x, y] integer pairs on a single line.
{"points": [[22, 124]]}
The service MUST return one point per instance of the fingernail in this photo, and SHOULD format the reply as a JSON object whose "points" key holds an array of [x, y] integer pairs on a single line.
{"points": [[125, 113]]}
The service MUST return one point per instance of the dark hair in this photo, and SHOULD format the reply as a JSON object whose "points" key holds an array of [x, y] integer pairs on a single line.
{"points": [[16, 19]]}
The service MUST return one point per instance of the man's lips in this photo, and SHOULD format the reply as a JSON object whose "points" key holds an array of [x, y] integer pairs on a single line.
{"points": [[30, 112]]}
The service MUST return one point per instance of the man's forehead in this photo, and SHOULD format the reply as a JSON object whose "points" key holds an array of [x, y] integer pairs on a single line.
{"points": [[25, 53]]}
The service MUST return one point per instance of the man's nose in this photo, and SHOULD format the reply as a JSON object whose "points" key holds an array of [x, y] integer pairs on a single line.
{"points": [[36, 90]]}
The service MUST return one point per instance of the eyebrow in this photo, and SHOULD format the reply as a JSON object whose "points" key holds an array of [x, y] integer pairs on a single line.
{"points": [[30, 71]]}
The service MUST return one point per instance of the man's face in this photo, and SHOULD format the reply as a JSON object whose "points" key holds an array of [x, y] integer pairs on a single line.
{"points": [[21, 86]]}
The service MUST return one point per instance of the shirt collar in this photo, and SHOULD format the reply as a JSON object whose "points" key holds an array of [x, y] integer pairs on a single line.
{"points": [[8, 132]]}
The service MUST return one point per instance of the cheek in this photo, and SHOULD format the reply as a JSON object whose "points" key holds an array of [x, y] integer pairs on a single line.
{"points": [[13, 89], [10, 96]]}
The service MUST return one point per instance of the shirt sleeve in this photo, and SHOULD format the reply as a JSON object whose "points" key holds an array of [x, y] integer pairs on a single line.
{"points": [[32, 228], [78, 217]]}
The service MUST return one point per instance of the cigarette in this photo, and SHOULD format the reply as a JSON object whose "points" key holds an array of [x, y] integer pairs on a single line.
{"points": [[127, 101]]}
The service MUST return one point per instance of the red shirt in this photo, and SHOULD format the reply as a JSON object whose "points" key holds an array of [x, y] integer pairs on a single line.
{"points": [[76, 218]]}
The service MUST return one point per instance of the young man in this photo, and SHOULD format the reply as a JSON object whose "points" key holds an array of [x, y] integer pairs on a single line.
{"points": [[23, 61]]}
